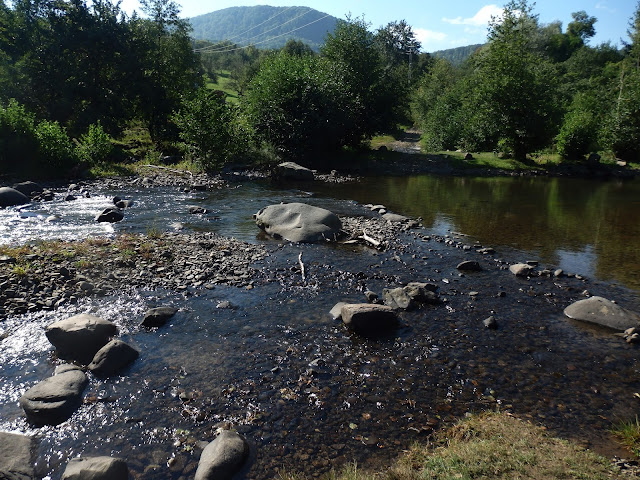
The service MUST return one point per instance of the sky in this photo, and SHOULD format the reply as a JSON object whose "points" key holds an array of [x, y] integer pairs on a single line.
{"points": [[442, 24]]}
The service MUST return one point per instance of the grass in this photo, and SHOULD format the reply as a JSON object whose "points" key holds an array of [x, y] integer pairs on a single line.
{"points": [[629, 435], [488, 446], [225, 84]]}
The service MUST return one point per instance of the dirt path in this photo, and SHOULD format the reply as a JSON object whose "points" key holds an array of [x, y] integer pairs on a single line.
{"points": [[410, 143]]}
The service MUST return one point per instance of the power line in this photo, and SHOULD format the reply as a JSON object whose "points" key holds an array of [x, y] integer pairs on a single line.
{"points": [[246, 31], [208, 49], [271, 38]]}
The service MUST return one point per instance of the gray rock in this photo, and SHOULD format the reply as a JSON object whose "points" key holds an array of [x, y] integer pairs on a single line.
{"points": [[394, 217], [468, 156], [53, 400], [469, 266], [16, 456], [490, 323], [367, 318], [122, 204], [423, 292], [603, 312], [372, 297], [222, 458], [397, 299], [10, 197], [30, 189], [197, 210], [521, 269], [298, 222], [558, 273], [96, 468], [336, 311], [81, 336], [110, 215], [293, 171], [157, 317], [112, 358]]}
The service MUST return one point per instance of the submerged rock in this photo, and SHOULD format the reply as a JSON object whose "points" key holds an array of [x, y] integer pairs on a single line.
{"points": [[10, 197], [603, 312], [469, 266], [292, 171], [112, 358], [81, 336], [16, 456], [96, 468], [53, 400], [157, 317], [367, 318], [222, 458], [299, 222]]}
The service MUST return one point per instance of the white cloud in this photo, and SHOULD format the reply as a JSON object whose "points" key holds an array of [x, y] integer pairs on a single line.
{"points": [[481, 18], [429, 39], [605, 7]]}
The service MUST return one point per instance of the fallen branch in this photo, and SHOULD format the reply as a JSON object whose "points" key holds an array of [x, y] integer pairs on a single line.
{"points": [[301, 267], [172, 170], [369, 239]]}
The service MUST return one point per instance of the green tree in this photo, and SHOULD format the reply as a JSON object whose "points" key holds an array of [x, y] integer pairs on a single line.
{"points": [[209, 128], [515, 83]]}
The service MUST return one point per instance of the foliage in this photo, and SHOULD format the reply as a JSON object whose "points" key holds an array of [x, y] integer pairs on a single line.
{"points": [[629, 433], [457, 56], [55, 149], [17, 136], [96, 146], [301, 105], [209, 127], [577, 135]]}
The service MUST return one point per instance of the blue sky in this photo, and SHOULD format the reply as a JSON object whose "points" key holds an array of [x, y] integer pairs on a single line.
{"points": [[443, 24]]}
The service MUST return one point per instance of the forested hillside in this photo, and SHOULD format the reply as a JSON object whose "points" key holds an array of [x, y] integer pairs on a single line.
{"points": [[264, 26], [456, 56]]}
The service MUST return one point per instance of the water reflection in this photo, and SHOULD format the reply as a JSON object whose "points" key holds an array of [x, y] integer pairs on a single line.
{"points": [[586, 226]]}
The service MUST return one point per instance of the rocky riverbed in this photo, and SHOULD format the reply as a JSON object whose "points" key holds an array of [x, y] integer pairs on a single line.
{"points": [[253, 346]]}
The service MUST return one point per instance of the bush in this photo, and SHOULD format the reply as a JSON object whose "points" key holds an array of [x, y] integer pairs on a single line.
{"points": [[18, 142], [577, 135], [209, 128], [96, 145], [55, 149]]}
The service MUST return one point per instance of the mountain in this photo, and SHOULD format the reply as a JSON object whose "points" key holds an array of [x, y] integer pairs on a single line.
{"points": [[264, 26], [457, 55]]}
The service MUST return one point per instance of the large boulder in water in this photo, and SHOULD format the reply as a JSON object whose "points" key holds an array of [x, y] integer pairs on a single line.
{"points": [[603, 312], [30, 189], [222, 458], [53, 400], [299, 222], [110, 215], [81, 336], [16, 456], [366, 318], [292, 171], [112, 358], [96, 468], [10, 197]]}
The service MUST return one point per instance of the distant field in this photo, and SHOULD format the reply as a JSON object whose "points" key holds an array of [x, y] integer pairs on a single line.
{"points": [[224, 83]]}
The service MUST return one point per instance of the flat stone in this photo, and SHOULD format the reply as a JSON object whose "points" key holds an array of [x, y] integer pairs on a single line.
{"points": [[16, 456], [293, 171], [367, 318], [222, 458], [397, 299], [112, 358], [469, 266], [521, 269], [54, 399], [394, 217], [603, 312], [336, 311], [96, 468], [157, 317]]}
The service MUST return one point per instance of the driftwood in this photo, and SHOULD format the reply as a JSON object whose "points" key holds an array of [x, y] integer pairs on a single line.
{"points": [[369, 239], [172, 170], [301, 267]]}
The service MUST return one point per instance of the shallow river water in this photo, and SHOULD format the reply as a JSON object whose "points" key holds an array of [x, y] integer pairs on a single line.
{"points": [[308, 394]]}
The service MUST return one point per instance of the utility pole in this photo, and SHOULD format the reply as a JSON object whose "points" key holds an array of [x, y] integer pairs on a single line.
{"points": [[410, 61]]}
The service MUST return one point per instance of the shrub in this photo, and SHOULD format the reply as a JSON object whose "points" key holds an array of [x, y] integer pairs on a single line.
{"points": [[18, 142], [577, 135], [96, 145], [55, 149]]}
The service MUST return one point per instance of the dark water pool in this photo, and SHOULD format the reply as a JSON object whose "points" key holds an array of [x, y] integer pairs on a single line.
{"points": [[308, 394]]}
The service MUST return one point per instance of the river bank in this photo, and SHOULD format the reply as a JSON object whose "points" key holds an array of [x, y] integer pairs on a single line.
{"points": [[253, 347]]}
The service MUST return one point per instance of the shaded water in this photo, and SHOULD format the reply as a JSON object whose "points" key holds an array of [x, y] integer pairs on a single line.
{"points": [[307, 393]]}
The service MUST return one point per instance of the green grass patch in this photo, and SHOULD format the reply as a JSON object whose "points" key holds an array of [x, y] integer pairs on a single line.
{"points": [[225, 83], [629, 435], [488, 446], [485, 160]]}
